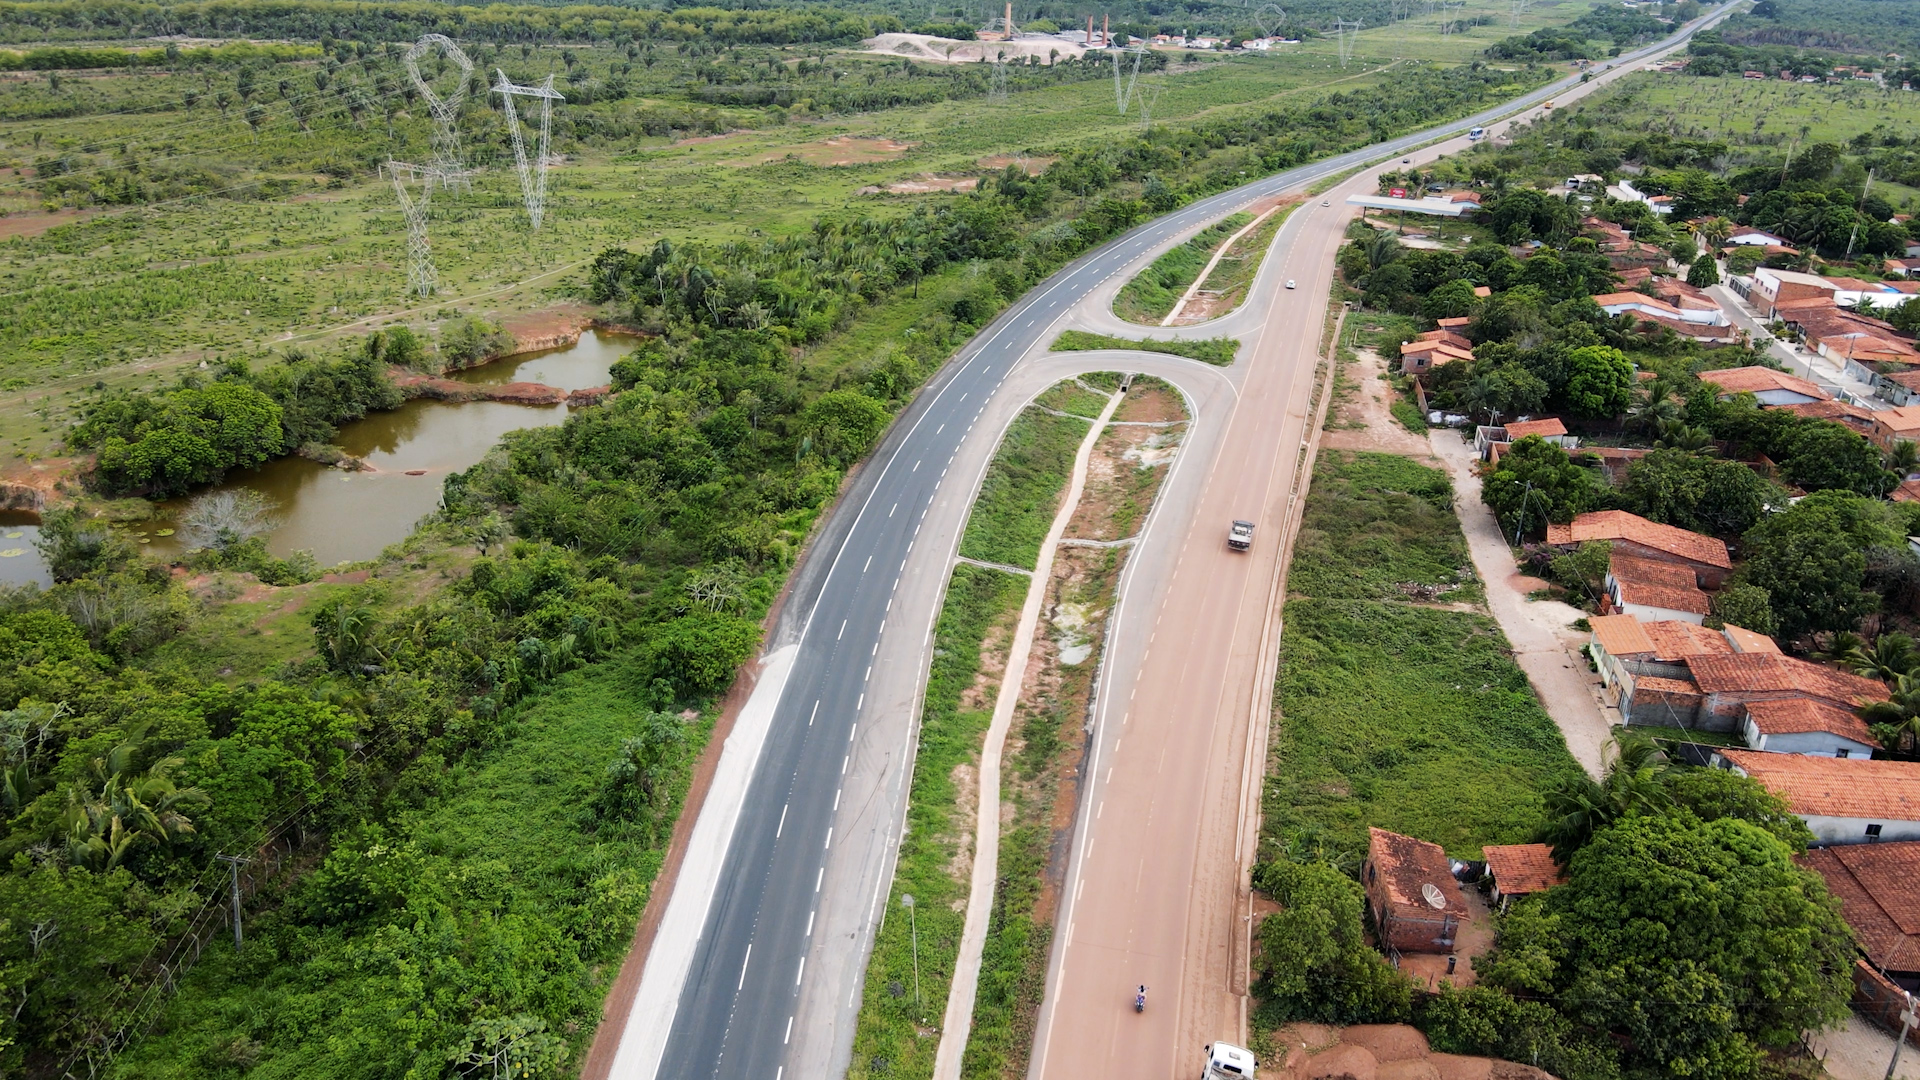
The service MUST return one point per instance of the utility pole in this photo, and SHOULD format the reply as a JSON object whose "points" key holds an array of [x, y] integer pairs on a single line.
{"points": [[1907, 1020], [1859, 208], [233, 863], [1521, 527], [906, 901]]}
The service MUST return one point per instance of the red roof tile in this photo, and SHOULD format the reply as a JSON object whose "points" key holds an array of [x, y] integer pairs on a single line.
{"points": [[1836, 787], [1620, 525], [1520, 869], [1405, 864], [1763, 673], [1520, 429], [1754, 380], [1794, 716], [1621, 635], [1875, 885], [1675, 640]]}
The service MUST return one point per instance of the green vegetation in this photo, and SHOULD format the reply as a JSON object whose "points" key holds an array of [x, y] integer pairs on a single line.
{"points": [[1153, 291], [1022, 489], [1384, 705], [954, 717], [1217, 351], [1233, 275], [1375, 523], [1604, 31], [1071, 396]]}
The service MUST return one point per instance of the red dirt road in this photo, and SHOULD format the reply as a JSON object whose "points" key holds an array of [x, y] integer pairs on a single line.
{"points": [[1159, 895]]}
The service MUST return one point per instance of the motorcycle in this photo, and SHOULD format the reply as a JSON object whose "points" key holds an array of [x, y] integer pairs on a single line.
{"points": [[1140, 1000]]}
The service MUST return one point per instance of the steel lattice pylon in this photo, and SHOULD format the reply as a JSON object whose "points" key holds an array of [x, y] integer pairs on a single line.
{"points": [[1123, 96], [533, 179], [422, 280], [1347, 30], [448, 169]]}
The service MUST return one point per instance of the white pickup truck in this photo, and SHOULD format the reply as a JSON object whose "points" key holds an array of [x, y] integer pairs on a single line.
{"points": [[1240, 535], [1227, 1062]]}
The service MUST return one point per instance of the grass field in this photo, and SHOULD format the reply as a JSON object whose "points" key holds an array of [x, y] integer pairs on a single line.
{"points": [[1755, 112], [1233, 275], [1408, 716]]}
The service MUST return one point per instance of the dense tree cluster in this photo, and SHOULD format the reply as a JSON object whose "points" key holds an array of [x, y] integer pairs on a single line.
{"points": [[1622, 29], [1685, 941]]}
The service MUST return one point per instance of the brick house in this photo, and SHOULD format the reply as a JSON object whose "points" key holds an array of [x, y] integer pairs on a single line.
{"points": [[1875, 886], [1806, 726], [1410, 887], [1651, 589], [1729, 684]]}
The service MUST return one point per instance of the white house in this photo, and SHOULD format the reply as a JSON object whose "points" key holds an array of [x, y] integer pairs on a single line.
{"points": [[1755, 238], [1806, 726], [1642, 304], [1843, 801]]}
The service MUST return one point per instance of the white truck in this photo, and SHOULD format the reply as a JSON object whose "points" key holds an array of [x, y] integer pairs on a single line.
{"points": [[1226, 1061], [1240, 535]]}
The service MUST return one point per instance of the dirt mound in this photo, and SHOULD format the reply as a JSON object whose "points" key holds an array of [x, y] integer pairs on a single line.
{"points": [[1379, 1052], [1387, 1042], [923, 184]]}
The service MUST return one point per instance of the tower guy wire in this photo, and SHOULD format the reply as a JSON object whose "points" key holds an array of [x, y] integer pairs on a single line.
{"points": [[1123, 96], [533, 179], [448, 169], [422, 280]]}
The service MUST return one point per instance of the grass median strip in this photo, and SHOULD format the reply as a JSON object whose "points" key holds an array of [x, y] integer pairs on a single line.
{"points": [[1022, 489], [898, 1030], [1153, 291], [1399, 703], [1218, 351], [1233, 275]]}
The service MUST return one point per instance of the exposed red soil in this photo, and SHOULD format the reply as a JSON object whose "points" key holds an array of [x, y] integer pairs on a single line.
{"points": [[415, 385], [923, 184], [1031, 165], [547, 328], [35, 222]]}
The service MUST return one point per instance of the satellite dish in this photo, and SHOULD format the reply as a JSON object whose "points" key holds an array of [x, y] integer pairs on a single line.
{"points": [[1435, 899]]}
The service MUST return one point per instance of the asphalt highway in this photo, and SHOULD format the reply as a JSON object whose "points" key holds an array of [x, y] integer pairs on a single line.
{"points": [[772, 983]]}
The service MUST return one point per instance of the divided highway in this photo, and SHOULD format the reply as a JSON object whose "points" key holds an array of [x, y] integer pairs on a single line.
{"points": [[756, 967]]}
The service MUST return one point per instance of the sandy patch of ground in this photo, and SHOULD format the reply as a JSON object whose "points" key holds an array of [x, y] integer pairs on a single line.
{"points": [[838, 150], [966, 799], [1032, 166], [1044, 49], [993, 663], [1360, 419], [1378, 1052], [35, 222], [1150, 401], [923, 184], [547, 328]]}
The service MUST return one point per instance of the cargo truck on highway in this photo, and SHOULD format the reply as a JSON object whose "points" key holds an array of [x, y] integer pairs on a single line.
{"points": [[1240, 535]]}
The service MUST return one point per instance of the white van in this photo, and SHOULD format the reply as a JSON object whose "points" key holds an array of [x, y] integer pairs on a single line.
{"points": [[1477, 134], [1227, 1062]]}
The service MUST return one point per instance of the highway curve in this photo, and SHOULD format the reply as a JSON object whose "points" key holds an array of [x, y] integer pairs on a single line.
{"points": [[756, 966]]}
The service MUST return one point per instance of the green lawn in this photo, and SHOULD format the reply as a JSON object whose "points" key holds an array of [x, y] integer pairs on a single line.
{"points": [[1022, 489], [1217, 351]]}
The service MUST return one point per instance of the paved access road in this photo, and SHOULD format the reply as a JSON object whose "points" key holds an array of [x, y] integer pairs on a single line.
{"points": [[755, 970]]}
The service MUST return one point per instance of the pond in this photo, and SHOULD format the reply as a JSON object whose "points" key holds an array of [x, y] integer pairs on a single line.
{"points": [[348, 516], [20, 562]]}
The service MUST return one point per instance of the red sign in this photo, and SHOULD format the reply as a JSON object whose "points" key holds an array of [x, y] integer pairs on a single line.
{"points": [[1398, 193]]}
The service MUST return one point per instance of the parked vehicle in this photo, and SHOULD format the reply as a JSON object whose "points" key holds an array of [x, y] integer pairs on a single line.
{"points": [[1477, 134], [1240, 535], [1226, 1061]]}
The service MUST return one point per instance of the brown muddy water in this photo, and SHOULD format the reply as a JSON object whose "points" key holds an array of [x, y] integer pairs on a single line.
{"points": [[20, 562], [348, 516]]}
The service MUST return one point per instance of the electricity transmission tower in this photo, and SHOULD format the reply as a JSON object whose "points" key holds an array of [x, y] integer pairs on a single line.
{"points": [[421, 277], [1148, 97], [997, 89], [1520, 8], [1348, 30], [1269, 18], [1123, 97], [533, 180], [448, 170], [1449, 15]]}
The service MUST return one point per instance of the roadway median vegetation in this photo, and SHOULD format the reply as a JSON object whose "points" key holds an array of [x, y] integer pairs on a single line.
{"points": [[1152, 293], [1218, 351], [1022, 488]]}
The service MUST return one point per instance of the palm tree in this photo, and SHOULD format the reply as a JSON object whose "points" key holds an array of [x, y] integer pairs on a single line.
{"points": [[1897, 719], [114, 807], [1656, 407], [1903, 459], [1713, 232], [1677, 435], [1579, 806], [1834, 647], [1888, 658]]}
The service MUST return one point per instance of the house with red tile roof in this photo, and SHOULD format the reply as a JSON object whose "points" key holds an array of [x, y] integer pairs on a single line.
{"points": [[1651, 589], [1843, 801], [1634, 535], [1417, 905], [1729, 684], [1521, 870], [1420, 357], [1492, 442], [1875, 886], [1644, 665], [1892, 426], [1841, 412], [1770, 387], [1806, 726]]}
